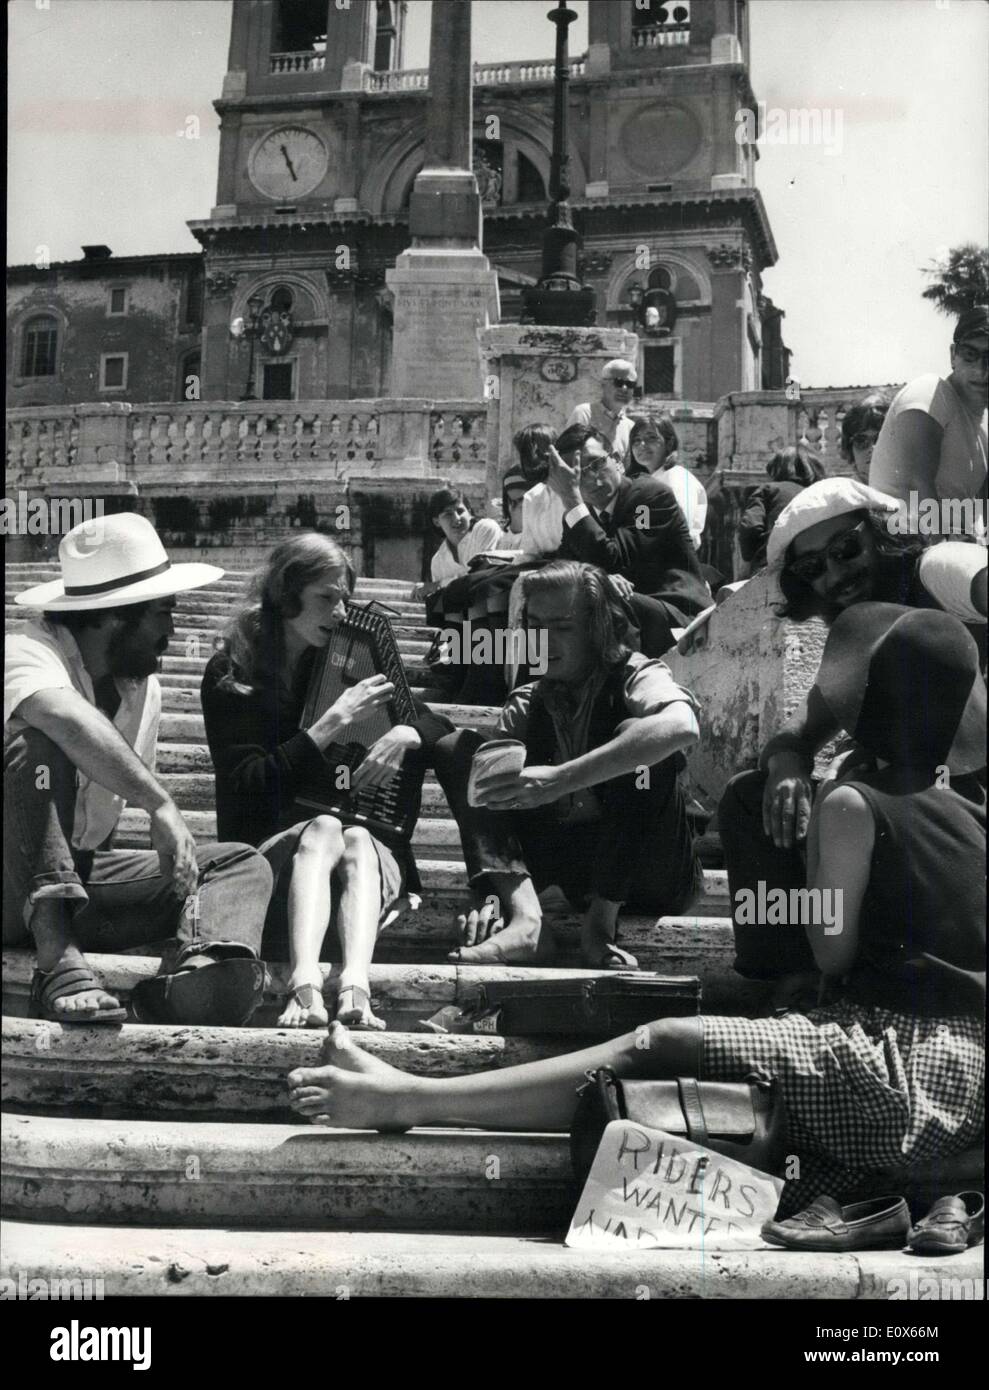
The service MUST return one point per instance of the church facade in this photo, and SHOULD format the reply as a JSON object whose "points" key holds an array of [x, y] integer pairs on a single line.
{"points": [[321, 137]]}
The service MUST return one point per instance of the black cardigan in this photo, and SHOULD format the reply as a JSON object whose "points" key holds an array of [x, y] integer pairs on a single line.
{"points": [[262, 759]]}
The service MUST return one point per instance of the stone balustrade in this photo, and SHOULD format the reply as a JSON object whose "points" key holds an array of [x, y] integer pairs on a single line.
{"points": [[224, 441], [485, 75], [753, 425], [661, 36], [308, 61]]}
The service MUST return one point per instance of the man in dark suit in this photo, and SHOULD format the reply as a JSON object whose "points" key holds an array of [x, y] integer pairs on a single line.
{"points": [[634, 530]]}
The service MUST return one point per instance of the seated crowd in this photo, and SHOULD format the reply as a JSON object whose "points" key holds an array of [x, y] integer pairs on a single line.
{"points": [[877, 1039]]}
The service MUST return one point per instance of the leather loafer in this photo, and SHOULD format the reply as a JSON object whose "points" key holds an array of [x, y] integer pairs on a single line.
{"points": [[953, 1223], [880, 1224]]}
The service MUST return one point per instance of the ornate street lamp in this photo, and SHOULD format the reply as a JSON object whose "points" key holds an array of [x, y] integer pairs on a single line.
{"points": [[559, 298], [250, 328]]}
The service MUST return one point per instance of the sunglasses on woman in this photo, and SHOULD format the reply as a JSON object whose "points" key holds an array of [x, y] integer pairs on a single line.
{"points": [[840, 549]]}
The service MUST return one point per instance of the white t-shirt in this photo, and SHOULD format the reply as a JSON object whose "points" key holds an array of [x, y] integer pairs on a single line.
{"points": [[691, 498], [485, 534], [46, 657], [542, 522], [962, 464]]}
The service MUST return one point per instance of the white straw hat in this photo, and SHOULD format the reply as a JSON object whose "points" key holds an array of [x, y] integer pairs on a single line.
{"points": [[111, 561], [820, 502]]}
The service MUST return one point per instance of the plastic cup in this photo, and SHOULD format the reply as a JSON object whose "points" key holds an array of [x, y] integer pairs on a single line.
{"points": [[499, 755]]}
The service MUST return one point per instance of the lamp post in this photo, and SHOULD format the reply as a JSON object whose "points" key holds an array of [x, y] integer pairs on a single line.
{"points": [[559, 298], [250, 328]]}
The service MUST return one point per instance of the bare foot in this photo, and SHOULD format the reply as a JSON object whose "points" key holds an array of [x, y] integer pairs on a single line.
{"points": [[354, 1008], [523, 942], [598, 930], [89, 1001], [352, 1090], [305, 1008]]}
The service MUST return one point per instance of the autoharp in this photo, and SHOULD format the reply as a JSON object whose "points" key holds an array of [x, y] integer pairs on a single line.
{"points": [[364, 645]]}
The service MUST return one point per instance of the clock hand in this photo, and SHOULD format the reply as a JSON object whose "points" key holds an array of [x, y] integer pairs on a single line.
{"points": [[289, 163]]}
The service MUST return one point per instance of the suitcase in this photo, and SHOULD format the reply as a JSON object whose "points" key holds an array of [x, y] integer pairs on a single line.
{"points": [[601, 1007]]}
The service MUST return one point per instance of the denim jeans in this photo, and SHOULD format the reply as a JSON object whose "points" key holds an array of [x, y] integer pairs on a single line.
{"points": [[640, 853], [120, 898], [761, 951]]}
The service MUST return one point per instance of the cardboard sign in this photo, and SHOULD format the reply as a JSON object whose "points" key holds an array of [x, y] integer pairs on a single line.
{"points": [[652, 1190]]}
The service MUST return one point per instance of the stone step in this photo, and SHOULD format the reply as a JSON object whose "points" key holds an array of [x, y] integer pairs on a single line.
{"points": [[136, 1262], [436, 837], [404, 995], [176, 727], [205, 1073], [279, 1176], [698, 945]]}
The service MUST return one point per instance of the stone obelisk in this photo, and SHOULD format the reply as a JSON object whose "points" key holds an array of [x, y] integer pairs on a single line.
{"points": [[445, 290]]}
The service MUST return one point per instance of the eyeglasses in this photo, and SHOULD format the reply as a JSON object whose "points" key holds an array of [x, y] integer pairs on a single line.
{"points": [[622, 383], [865, 440], [597, 467], [972, 357], [841, 548]]}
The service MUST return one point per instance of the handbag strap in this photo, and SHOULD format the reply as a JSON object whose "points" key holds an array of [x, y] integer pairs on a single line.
{"points": [[693, 1110]]}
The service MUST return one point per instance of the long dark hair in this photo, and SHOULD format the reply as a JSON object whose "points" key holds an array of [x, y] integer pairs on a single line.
{"points": [[532, 445], [795, 465], [254, 638], [896, 563], [607, 621]]}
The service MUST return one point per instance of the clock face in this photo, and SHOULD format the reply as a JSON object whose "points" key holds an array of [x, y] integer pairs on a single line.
{"points": [[288, 163]]}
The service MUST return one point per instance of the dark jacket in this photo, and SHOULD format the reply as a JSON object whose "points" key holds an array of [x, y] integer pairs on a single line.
{"points": [[760, 516], [647, 542], [263, 760]]}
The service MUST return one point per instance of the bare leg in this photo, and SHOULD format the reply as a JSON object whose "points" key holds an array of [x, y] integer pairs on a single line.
{"points": [[55, 944], [316, 857], [535, 1096], [357, 923], [598, 930], [493, 937]]}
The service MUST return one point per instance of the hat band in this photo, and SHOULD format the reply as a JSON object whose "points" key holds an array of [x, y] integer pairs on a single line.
{"points": [[71, 590]]}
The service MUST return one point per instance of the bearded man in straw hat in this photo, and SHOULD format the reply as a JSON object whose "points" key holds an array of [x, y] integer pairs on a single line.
{"points": [[81, 713]]}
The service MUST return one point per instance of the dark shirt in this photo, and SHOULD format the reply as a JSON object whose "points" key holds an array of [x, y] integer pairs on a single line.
{"points": [[761, 513], [263, 759], [922, 933]]}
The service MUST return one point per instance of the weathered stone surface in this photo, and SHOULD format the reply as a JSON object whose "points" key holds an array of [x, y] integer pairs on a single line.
{"points": [[749, 676], [395, 1264], [272, 1176]]}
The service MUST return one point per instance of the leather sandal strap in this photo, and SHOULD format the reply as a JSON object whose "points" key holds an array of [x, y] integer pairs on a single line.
{"points": [[65, 981]]}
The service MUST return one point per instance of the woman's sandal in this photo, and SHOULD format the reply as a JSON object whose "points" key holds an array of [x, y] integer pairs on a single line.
{"points": [[64, 981], [360, 1006], [310, 998], [614, 958]]}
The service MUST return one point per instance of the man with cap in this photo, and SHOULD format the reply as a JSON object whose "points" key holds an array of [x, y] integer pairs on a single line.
{"points": [[932, 445], [81, 714], [609, 416], [837, 544]]}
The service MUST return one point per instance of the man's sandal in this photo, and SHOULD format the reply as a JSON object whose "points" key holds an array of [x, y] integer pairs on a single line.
{"points": [[65, 981], [223, 994], [360, 1006], [613, 957], [310, 998]]}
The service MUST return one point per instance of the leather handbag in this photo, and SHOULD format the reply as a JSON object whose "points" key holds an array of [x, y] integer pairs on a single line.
{"points": [[744, 1120], [601, 1007]]}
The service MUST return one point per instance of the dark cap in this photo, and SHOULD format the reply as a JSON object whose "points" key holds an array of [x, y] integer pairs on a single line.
{"points": [[974, 323]]}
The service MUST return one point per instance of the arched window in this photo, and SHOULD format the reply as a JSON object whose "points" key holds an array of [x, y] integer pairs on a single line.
{"points": [[660, 279], [384, 37], [282, 299], [40, 346]]}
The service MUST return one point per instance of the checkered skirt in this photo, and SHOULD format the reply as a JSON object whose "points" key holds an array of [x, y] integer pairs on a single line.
{"points": [[866, 1089]]}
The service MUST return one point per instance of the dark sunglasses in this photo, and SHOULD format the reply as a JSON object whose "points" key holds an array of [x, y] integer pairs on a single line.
{"points": [[841, 548], [623, 383], [971, 356]]}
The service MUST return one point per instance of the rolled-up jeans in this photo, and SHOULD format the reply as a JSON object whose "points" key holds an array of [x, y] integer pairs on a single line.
{"points": [[118, 898], [639, 853]]}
